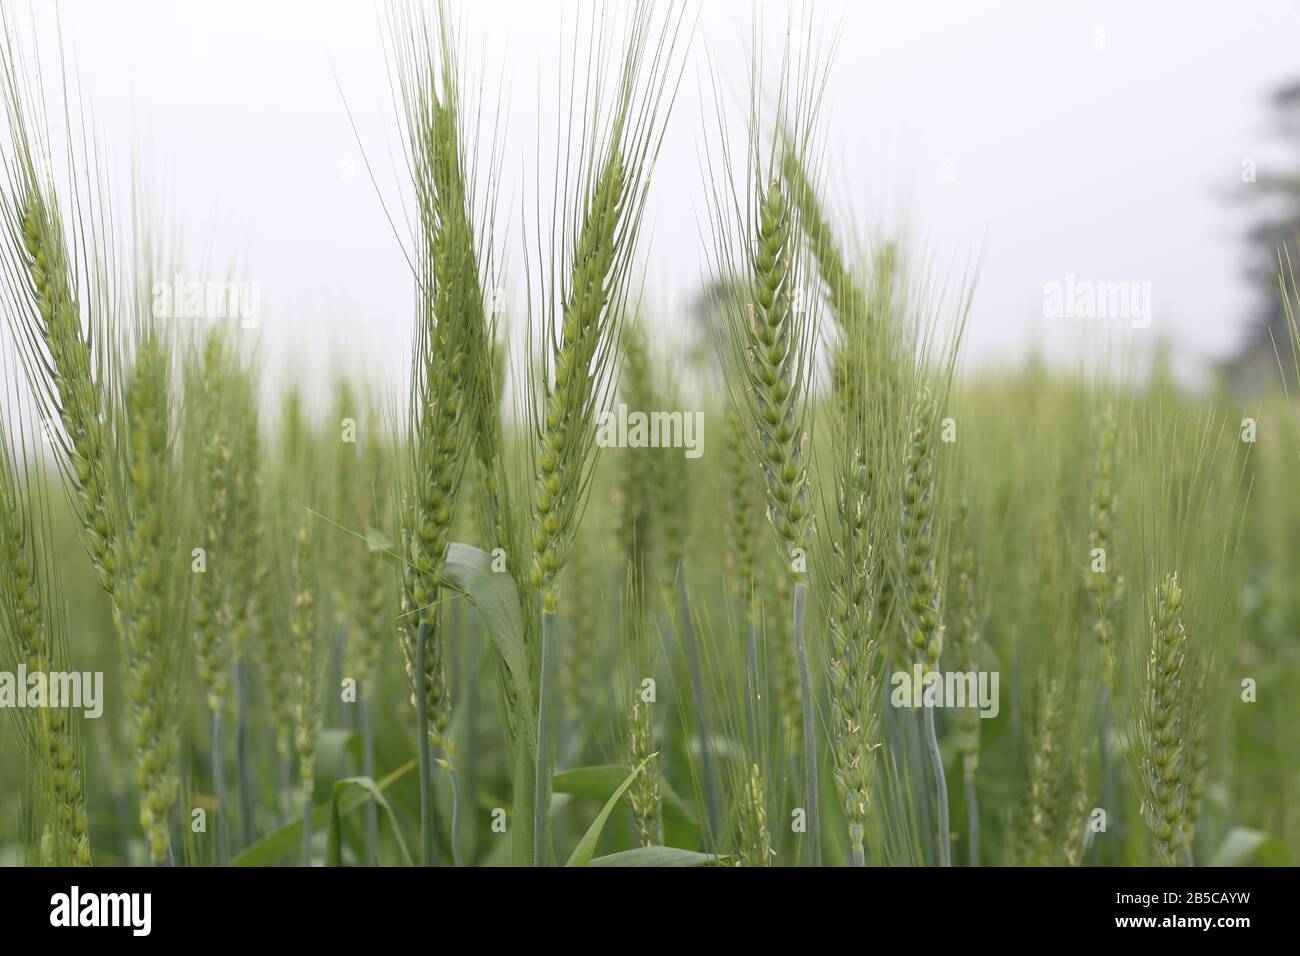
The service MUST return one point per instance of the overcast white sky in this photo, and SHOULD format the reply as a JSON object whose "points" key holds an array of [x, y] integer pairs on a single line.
{"points": [[1094, 138]]}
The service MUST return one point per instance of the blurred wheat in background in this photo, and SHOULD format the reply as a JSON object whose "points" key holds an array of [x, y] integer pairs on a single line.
{"points": [[451, 619]]}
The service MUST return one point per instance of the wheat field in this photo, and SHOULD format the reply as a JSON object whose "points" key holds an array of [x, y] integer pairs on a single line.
{"points": [[794, 589]]}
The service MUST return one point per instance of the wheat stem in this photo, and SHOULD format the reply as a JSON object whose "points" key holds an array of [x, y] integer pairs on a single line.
{"points": [[963, 638], [809, 735], [367, 731], [972, 813], [306, 832], [940, 786], [701, 708], [542, 766], [219, 779], [244, 782], [455, 816], [422, 745]]}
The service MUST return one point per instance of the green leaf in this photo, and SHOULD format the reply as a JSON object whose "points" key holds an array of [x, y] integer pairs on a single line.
{"points": [[281, 842], [286, 840], [334, 844], [656, 856], [494, 596], [599, 781], [593, 783], [333, 751], [1238, 847], [581, 855]]}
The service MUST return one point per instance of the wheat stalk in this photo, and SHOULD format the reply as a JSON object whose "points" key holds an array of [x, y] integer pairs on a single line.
{"points": [[262, 627], [852, 681], [673, 497], [920, 593], [305, 644], [770, 369], [299, 658], [581, 324], [1198, 755], [635, 488], [453, 405], [371, 604], [246, 596], [1105, 588], [126, 509], [209, 385], [770, 326], [145, 593], [208, 381], [962, 636]]}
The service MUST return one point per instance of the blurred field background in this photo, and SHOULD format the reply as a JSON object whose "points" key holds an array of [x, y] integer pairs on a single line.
{"points": [[1205, 450]]}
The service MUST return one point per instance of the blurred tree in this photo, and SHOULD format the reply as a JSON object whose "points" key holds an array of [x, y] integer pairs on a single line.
{"points": [[1273, 195]]}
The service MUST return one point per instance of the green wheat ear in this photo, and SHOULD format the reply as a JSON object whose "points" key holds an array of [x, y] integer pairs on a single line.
{"points": [[582, 320], [376, 603], [962, 633], [582, 645], [583, 302], [256, 610], [743, 515], [643, 796], [144, 603], [772, 343], [755, 839], [852, 682], [770, 327], [452, 410], [855, 370], [1162, 724], [306, 655], [778, 357], [76, 394], [1198, 753], [113, 397], [634, 490], [116, 441], [212, 624], [856, 571], [1105, 588], [1047, 810], [34, 622], [567, 427], [847, 301], [917, 539]]}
